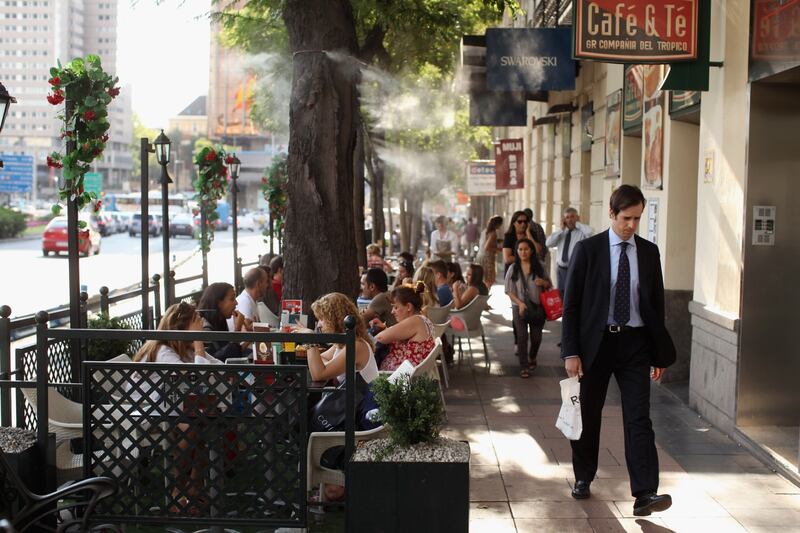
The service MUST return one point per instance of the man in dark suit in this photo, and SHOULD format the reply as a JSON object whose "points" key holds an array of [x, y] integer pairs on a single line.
{"points": [[613, 323]]}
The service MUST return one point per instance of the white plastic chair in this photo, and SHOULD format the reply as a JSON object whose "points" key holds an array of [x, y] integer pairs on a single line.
{"points": [[427, 367], [265, 315], [66, 421], [438, 315], [318, 442], [438, 331], [470, 317]]}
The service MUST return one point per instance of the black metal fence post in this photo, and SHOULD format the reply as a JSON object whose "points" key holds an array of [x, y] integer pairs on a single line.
{"points": [[237, 262], [171, 290], [204, 230], [157, 300], [42, 377], [237, 275], [350, 402], [145, 228], [5, 364], [104, 307]]}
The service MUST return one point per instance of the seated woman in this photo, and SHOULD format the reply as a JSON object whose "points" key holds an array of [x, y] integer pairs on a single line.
{"points": [[425, 275], [376, 260], [217, 305], [411, 338], [454, 275], [330, 311], [405, 270], [464, 293], [191, 457]]}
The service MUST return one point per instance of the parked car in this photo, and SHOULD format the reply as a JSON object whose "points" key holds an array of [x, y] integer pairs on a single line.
{"points": [[123, 220], [247, 222], [154, 225], [183, 224], [105, 224], [54, 238]]}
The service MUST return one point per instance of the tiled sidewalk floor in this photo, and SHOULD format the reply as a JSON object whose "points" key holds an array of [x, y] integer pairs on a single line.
{"points": [[521, 471]]}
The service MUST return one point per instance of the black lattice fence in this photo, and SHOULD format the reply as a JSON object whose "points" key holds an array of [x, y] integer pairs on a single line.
{"points": [[59, 370], [211, 444], [134, 321]]}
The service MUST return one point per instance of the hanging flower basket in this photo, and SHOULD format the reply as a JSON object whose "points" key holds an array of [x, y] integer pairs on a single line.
{"points": [[211, 186], [90, 90], [274, 189]]}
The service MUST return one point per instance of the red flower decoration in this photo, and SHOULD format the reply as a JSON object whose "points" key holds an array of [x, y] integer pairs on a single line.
{"points": [[55, 81], [229, 160], [224, 171], [54, 163], [56, 98], [113, 92], [104, 138], [97, 205], [89, 115], [211, 156]]}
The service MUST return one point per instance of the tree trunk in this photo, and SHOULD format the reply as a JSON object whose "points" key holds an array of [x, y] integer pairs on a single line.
{"points": [[392, 251], [379, 170], [318, 250], [358, 198], [415, 216], [405, 227]]}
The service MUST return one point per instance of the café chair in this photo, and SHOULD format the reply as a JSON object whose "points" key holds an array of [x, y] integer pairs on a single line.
{"points": [[465, 323], [438, 315]]}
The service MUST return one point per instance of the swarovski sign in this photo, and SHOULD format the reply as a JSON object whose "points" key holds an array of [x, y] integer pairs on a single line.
{"points": [[529, 59]]}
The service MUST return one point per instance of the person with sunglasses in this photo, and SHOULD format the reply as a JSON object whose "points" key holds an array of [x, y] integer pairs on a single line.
{"points": [[517, 230]]}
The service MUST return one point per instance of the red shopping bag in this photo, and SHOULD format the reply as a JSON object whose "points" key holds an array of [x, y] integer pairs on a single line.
{"points": [[551, 302]]}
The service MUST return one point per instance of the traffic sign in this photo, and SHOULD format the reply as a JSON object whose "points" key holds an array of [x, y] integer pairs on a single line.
{"points": [[93, 182], [16, 176]]}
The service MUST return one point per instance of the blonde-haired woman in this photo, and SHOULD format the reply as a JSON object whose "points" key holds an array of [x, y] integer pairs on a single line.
{"points": [[425, 275], [330, 311], [411, 338]]}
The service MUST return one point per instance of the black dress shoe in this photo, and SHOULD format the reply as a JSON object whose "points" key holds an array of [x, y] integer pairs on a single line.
{"points": [[651, 503], [581, 490]]}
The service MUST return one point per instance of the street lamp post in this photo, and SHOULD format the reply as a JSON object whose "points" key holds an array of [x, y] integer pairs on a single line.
{"points": [[233, 167], [5, 103], [145, 149], [163, 148]]}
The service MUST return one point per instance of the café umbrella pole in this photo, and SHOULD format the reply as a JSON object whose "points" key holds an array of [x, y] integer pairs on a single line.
{"points": [[73, 259]]}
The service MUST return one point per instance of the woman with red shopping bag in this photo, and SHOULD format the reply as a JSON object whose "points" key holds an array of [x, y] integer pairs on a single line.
{"points": [[524, 283]]}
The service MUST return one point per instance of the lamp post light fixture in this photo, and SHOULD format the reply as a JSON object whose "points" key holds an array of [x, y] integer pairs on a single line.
{"points": [[233, 169], [163, 149], [5, 102]]}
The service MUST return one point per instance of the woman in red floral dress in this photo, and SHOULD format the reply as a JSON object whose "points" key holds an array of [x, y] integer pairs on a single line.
{"points": [[411, 338]]}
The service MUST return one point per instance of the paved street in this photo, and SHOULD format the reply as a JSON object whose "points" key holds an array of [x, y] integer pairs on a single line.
{"points": [[27, 272], [521, 470]]}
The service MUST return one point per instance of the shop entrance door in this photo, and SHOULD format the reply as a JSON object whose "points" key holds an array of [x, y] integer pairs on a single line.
{"points": [[769, 392]]}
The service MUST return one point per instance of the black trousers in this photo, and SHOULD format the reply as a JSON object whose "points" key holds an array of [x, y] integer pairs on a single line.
{"points": [[526, 353], [626, 356]]}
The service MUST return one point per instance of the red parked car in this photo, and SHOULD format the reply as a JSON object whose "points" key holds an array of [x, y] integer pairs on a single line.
{"points": [[54, 238]]}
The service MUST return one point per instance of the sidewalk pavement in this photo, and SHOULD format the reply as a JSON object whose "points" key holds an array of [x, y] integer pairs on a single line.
{"points": [[521, 470]]}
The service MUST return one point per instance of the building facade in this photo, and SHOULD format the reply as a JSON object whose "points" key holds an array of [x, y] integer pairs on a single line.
{"points": [[720, 192], [34, 35]]}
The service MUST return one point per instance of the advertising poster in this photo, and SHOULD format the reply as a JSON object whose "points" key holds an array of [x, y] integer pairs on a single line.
{"points": [[775, 39], [632, 95], [509, 163], [648, 31], [613, 133], [587, 127], [653, 126], [681, 101]]}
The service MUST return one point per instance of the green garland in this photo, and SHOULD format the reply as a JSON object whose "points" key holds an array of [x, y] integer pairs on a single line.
{"points": [[211, 186], [274, 189], [90, 90]]}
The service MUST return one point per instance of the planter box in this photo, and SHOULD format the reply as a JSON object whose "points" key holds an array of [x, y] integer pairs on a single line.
{"points": [[392, 497]]}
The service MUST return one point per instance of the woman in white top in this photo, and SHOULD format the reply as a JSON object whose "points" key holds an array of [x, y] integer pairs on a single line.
{"points": [[330, 311], [188, 464]]}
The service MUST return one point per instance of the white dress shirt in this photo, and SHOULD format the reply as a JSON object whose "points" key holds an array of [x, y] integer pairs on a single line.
{"points": [[559, 238], [614, 241], [247, 306]]}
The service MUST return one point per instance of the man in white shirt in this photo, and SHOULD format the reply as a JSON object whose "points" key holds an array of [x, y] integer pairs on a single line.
{"points": [[444, 242], [570, 234], [255, 283]]}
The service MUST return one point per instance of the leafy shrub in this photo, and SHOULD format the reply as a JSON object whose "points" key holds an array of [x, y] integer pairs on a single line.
{"points": [[412, 408], [12, 223], [104, 349]]}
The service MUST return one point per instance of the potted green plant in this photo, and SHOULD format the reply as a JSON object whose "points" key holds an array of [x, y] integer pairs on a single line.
{"points": [[105, 349], [414, 480]]}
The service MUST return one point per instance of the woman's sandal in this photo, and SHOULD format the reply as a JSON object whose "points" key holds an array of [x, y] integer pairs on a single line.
{"points": [[532, 367], [524, 373]]}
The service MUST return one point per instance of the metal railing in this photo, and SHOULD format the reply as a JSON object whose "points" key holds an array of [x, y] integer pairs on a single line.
{"points": [[192, 296]]}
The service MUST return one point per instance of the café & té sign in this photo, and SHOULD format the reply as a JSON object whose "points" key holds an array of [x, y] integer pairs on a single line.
{"points": [[636, 31]]}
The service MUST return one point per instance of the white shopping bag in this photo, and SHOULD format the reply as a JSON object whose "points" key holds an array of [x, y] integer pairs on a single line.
{"points": [[569, 418]]}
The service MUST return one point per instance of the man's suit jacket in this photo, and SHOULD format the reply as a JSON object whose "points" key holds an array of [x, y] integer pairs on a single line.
{"points": [[587, 296]]}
